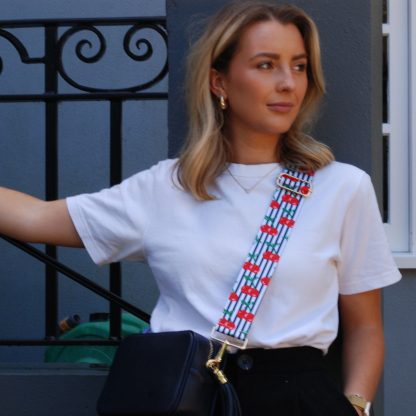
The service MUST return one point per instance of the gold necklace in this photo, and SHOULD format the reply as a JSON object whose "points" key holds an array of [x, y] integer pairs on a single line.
{"points": [[251, 188]]}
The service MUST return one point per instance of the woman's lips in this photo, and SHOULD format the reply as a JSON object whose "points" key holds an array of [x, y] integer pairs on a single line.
{"points": [[281, 107]]}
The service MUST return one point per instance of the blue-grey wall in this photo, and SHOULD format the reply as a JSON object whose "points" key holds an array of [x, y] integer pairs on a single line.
{"points": [[399, 381], [350, 123], [83, 156]]}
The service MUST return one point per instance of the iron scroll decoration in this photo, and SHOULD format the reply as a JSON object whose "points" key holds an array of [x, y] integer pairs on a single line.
{"points": [[136, 56], [20, 48], [144, 51]]}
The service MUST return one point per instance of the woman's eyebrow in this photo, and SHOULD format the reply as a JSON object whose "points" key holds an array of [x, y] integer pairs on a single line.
{"points": [[276, 56]]}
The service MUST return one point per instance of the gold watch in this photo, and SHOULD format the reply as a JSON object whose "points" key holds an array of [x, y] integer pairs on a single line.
{"points": [[360, 402]]}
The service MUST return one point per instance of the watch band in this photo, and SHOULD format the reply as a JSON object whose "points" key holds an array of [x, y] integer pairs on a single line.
{"points": [[360, 402]]}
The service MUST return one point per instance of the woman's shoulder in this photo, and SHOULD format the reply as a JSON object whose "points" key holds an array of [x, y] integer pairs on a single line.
{"points": [[158, 171], [166, 166], [161, 174], [343, 177], [340, 171]]}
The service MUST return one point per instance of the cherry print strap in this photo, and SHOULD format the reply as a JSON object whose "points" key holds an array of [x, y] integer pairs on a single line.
{"points": [[292, 187]]}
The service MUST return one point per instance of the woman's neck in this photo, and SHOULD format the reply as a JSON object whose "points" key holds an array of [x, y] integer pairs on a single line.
{"points": [[253, 158], [254, 150]]}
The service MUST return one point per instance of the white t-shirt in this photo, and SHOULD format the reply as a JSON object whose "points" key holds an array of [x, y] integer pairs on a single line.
{"points": [[196, 249]]}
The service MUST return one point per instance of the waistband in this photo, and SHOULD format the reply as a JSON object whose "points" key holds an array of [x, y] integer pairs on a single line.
{"points": [[279, 359]]}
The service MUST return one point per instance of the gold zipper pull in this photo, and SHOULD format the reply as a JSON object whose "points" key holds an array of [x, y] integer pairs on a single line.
{"points": [[214, 364]]}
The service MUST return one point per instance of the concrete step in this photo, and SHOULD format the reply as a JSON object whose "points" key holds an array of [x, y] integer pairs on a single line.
{"points": [[50, 389]]}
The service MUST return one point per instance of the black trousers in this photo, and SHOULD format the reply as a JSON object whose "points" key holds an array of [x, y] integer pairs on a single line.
{"points": [[285, 382]]}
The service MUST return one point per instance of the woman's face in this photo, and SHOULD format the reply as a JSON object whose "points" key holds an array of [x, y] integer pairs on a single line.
{"points": [[266, 81]]}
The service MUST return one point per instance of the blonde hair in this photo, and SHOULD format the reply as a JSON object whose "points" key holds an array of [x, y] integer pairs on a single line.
{"points": [[206, 151]]}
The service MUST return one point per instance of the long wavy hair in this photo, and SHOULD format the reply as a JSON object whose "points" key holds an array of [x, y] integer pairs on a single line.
{"points": [[207, 151]]}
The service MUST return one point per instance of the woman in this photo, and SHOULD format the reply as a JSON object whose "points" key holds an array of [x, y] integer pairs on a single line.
{"points": [[254, 79]]}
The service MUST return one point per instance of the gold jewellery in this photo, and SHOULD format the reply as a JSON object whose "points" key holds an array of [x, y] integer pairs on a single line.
{"points": [[361, 403], [251, 188], [223, 103]]}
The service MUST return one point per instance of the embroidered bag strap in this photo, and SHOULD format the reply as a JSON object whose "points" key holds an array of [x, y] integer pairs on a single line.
{"points": [[257, 271]]}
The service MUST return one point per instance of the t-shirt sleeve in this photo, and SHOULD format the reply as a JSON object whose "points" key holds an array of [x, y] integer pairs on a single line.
{"points": [[366, 261], [112, 223]]}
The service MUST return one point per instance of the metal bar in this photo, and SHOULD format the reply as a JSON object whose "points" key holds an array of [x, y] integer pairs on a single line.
{"points": [[116, 157], [115, 142], [48, 97], [77, 277], [65, 21], [115, 311], [51, 174]]}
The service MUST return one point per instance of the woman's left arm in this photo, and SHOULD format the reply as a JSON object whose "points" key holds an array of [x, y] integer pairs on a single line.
{"points": [[363, 342]]}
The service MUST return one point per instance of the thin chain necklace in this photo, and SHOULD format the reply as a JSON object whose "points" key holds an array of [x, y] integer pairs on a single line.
{"points": [[251, 188]]}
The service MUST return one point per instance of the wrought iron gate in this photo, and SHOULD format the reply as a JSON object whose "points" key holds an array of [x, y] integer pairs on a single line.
{"points": [[57, 35]]}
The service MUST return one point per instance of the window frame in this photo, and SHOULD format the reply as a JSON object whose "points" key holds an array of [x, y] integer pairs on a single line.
{"points": [[403, 166]]}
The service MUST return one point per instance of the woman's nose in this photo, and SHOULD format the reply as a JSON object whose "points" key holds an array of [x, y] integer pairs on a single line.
{"points": [[284, 80]]}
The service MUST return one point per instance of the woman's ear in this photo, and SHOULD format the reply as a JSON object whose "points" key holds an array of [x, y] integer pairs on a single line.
{"points": [[216, 83]]}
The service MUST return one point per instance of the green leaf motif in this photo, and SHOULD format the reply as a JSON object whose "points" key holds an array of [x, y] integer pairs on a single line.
{"points": [[268, 218], [248, 305], [289, 212], [271, 245], [249, 278]]}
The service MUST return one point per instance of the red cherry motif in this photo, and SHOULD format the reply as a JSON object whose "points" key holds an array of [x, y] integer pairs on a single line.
{"points": [[305, 190], [268, 255], [251, 267], [287, 221], [247, 316], [265, 280], [225, 323], [269, 229], [248, 290], [290, 199], [233, 297], [274, 204]]}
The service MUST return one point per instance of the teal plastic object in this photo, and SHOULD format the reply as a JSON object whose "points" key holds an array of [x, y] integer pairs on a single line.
{"points": [[93, 354]]}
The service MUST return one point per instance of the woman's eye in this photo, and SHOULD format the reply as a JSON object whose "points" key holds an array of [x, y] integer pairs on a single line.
{"points": [[265, 65], [300, 67]]}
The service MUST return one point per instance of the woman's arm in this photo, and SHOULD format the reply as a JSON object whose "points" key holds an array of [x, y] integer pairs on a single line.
{"points": [[363, 342], [30, 219]]}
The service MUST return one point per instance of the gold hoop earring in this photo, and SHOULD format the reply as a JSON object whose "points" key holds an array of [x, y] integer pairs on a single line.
{"points": [[223, 103]]}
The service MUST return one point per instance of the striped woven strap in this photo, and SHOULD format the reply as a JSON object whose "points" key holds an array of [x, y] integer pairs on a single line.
{"points": [[260, 264]]}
